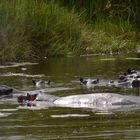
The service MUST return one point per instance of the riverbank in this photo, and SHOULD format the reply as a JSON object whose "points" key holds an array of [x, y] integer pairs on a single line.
{"points": [[33, 30]]}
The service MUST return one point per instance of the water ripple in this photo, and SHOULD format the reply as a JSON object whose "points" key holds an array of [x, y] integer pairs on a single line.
{"points": [[69, 115], [21, 75]]}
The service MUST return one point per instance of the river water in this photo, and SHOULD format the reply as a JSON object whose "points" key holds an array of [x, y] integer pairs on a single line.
{"points": [[62, 123]]}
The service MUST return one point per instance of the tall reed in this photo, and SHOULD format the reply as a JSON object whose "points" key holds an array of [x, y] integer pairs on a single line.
{"points": [[111, 23], [36, 29]]}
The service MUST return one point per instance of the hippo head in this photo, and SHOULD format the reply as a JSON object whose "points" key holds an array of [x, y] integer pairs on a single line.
{"points": [[28, 97]]}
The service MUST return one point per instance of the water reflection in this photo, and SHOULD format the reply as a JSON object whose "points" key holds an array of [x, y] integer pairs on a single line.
{"points": [[66, 122]]}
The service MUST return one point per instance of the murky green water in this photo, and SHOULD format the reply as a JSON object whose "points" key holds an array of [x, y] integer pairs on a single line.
{"points": [[69, 123]]}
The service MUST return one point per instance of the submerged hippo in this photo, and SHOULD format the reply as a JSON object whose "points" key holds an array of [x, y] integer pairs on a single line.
{"points": [[28, 97], [97, 101], [5, 90], [93, 100]]}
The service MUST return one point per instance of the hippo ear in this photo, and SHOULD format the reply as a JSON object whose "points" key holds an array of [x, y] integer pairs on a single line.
{"points": [[49, 82], [81, 79], [34, 82], [28, 95]]}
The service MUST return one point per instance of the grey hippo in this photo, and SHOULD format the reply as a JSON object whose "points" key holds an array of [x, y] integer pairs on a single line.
{"points": [[93, 100]]}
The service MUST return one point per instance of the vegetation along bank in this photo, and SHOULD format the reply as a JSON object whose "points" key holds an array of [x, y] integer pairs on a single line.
{"points": [[35, 29]]}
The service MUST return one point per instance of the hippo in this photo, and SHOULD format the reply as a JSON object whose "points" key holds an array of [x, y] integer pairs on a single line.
{"points": [[5, 90], [41, 83], [96, 101], [88, 82], [28, 97], [93, 100]]}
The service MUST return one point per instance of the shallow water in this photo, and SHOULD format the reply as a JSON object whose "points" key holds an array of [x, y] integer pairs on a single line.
{"points": [[61, 123]]}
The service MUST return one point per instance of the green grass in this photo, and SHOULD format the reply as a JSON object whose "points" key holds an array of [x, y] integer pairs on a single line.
{"points": [[111, 37], [32, 30]]}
